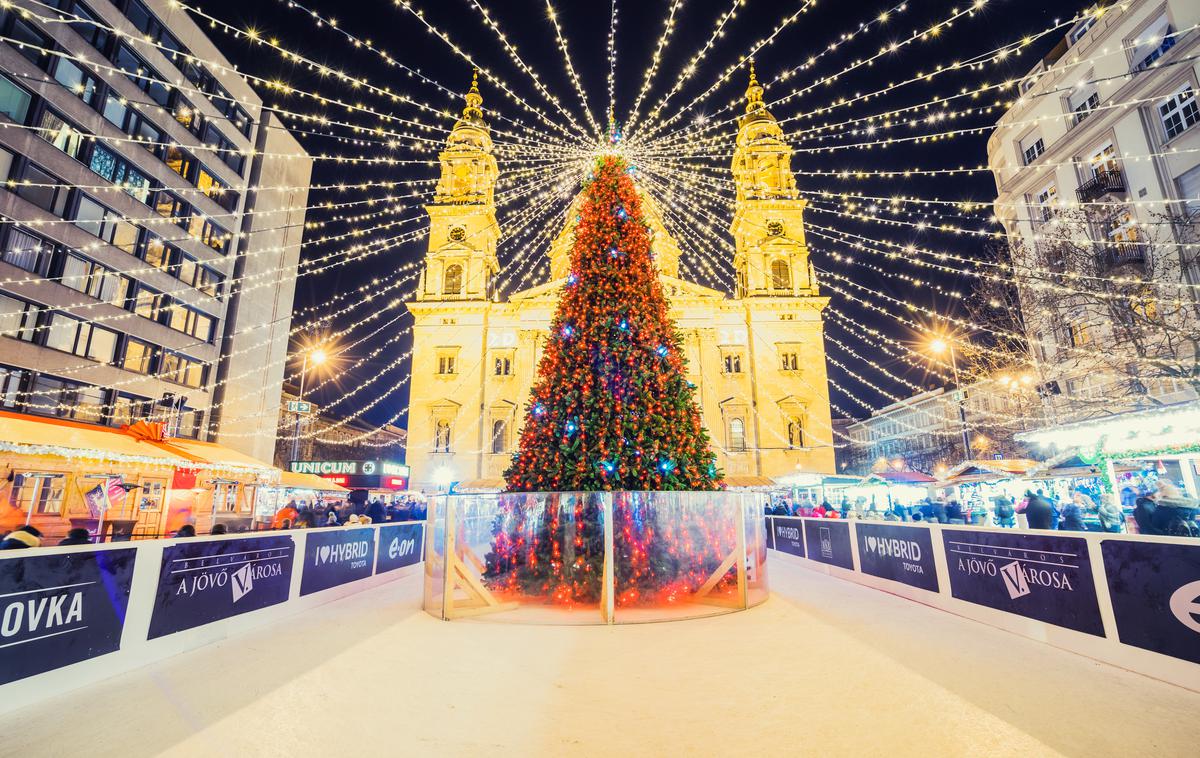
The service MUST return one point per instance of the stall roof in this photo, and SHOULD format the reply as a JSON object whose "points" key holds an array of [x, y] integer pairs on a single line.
{"points": [[297, 481], [983, 470], [481, 485], [26, 435], [744, 481], [899, 477]]}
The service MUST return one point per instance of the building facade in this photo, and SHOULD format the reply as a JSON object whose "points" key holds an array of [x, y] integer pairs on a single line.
{"points": [[1097, 166], [757, 357], [150, 226], [328, 437]]}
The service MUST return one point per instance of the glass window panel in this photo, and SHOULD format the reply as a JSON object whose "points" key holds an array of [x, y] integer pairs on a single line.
{"points": [[63, 333], [103, 345], [14, 101]]}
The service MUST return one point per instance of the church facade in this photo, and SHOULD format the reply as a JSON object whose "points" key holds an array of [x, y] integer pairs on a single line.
{"points": [[757, 357]]}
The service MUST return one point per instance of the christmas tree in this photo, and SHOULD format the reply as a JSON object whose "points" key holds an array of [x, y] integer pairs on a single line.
{"points": [[612, 410]]}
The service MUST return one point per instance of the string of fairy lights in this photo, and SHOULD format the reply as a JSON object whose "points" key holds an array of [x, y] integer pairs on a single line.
{"points": [[544, 147]]}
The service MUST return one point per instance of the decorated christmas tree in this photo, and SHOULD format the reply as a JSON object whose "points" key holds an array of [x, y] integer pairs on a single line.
{"points": [[611, 409]]}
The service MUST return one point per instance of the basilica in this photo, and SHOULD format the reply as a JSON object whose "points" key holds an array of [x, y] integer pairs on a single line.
{"points": [[757, 357]]}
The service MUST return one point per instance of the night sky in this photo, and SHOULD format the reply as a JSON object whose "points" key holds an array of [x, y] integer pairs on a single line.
{"points": [[585, 26]]}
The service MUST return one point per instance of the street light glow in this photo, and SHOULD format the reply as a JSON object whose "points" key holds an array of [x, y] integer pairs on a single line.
{"points": [[318, 357], [938, 346]]}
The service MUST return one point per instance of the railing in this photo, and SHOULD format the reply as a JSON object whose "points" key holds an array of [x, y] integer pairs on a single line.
{"points": [[1101, 184], [1123, 254]]}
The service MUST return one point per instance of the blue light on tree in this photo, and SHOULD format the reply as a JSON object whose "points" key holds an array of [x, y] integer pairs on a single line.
{"points": [[662, 351]]}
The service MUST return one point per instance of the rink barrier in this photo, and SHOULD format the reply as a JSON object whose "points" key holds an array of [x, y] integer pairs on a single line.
{"points": [[1129, 600], [70, 616]]}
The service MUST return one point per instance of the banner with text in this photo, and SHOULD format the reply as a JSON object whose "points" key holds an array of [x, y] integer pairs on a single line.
{"points": [[901, 553], [1040, 577], [828, 541], [202, 582], [1155, 590], [788, 535], [337, 557], [399, 546], [56, 610]]}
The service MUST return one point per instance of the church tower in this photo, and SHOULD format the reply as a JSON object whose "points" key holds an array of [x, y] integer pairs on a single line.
{"points": [[461, 260], [770, 255]]}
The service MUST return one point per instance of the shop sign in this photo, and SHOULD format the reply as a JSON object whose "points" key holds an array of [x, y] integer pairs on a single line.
{"points": [[350, 468], [202, 582], [336, 557], [788, 534], [56, 610], [399, 545], [901, 553], [1039, 577], [828, 541], [395, 483], [1155, 591]]}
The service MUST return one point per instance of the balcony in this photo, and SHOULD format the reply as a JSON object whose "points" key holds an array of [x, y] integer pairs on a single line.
{"points": [[1123, 254], [1104, 183]]}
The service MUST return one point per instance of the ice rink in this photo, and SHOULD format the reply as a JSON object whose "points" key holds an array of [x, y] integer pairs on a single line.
{"points": [[825, 667]]}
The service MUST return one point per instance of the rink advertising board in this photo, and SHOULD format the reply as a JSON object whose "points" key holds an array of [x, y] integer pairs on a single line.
{"points": [[901, 553], [201, 582], [336, 557], [399, 546], [56, 610], [788, 535], [1040, 577], [828, 541], [1155, 591]]}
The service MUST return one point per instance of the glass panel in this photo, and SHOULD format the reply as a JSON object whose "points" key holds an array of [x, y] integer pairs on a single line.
{"points": [[14, 101]]}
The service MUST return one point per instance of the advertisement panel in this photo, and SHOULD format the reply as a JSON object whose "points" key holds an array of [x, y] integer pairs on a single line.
{"points": [[1155, 590], [901, 553], [202, 582], [400, 545], [56, 610], [336, 557], [1040, 577], [828, 541], [788, 535]]}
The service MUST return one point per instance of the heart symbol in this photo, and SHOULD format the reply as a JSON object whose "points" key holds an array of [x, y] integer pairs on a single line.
{"points": [[871, 544], [324, 551]]}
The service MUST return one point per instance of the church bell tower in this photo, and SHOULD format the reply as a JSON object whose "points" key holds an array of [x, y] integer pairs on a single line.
{"points": [[461, 260], [770, 254]]}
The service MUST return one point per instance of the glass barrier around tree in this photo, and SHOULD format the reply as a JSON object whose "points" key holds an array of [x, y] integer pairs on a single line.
{"points": [[595, 557]]}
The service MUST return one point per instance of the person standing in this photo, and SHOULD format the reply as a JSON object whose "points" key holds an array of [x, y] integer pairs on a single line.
{"points": [[21, 538], [1112, 516], [1040, 513]]}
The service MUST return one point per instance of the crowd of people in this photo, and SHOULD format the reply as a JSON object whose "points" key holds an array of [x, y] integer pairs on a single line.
{"points": [[1160, 510]]}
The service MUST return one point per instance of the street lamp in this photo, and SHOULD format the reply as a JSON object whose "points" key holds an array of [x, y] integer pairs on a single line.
{"points": [[938, 346], [317, 357]]}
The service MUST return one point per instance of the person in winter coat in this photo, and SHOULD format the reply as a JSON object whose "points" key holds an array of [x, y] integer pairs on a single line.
{"points": [[77, 536], [1176, 513], [1040, 513], [187, 530], [288, 513], [1005, 513], [22, 537], [1143, 514], [375, 512], [1112, 517]]}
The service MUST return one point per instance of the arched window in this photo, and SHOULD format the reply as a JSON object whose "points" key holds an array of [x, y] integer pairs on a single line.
{"points": [[499, 436], [795, 433], [454, 280], [441, 436], [737, 435], [781, 276]]}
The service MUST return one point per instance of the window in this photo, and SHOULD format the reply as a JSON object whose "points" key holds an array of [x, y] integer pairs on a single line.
{"points": [[139, 356], [213, 235], [27, 251], [454, 280], [1081, 29], [156, 252], [215, 189], [1046, 203], [149, 303], [499, 436], [445, 364], [90, 27], [441, 436], [188, 423], [117, 111], [795, 433], [81, 83], [1078, 334], [781, 276], [1179, 112], [1188, 185], [169, 206], [737, 435], [189, 117], [1103, 160], [1083, 104], [58, 397], [10, 386], [14, 101], [191, 322], [106, 224], [179, 160], [63, 135], [36, 492], [1031, 148], [30, 43], [1122, 228], [18, 319], [733, 363], [503, 366], [789, 360], [1157, 42], [181, 370], [126, 410], [119, 171], [81, 338], [93, 279], [224, 148], [142, 75], [43, 190]]}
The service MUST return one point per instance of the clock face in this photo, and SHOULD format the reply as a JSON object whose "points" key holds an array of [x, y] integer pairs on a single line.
{"points": [[775, 228], [458, 234]]}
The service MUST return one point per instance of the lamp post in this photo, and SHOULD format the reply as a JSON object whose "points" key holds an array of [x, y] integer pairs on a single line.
{"points": [[318, 357], [938, 346]]}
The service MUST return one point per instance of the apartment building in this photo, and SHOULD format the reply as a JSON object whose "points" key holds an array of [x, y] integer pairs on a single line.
{"points": [[150, 227], [1097, 167]]}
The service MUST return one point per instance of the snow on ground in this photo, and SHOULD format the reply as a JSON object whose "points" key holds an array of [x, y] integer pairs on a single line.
{"points": [[825, 667]]}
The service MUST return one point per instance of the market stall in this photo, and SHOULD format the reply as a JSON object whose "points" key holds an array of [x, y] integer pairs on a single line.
{"points": [[976, 484], [293, 486]]}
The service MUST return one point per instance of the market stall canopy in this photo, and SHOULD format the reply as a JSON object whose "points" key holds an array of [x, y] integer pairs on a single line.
{"points": [[294, 481], [747, 482], [1067, 464], [481, 485], [897, 477], [1170, 429], [984, 471], [61, 438]]}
